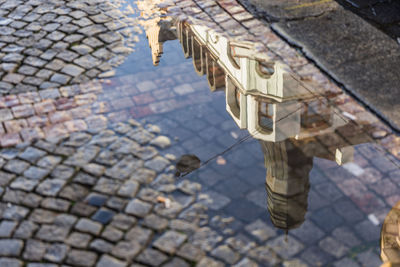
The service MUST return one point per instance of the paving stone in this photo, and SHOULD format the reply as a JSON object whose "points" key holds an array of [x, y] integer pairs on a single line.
{"points": [[138, 208], [308, 233], [88, 226], [158, 164], [205, 238], [50, 187], [286, 246], [25, 230], [246, 262], [139, 234], [52, 233], [103, 216], [34, 250], [368, 258], [333, 247], [155, 222], [209, 262], [226, 254], [78, 240], [10, 247], [81, 258], [14, 212], [346, 262], [123, 221], [10, 262], [55, 204], [36, 173], [170, 241], [32, 154], [7, 228], [112, 234], [24, 184], [16, 166], [126, 250], [124, 168], [152, 257], [72, 70], [260, 230], [129, 189], [108, 261], [56, 252]]}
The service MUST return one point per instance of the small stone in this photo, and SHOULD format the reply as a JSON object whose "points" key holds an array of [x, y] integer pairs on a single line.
{"points": [[81, 258], [36, 173], [246, 262], [7, 228], [101, 246], [152, 257], [88, 226], [10, 247], [126, 249], [56, 252], [72, 70], [112, 234], [170, 241], [161, 142], [155, 222], [25, 230], [50, 187], [139, 234], [129, 189], [52, 233], [103, 216], [260, 230], [138, 208], [190, 252], [158, 164], [208, 262], [108, 261], [34, 250], [9, 262], [78, 240], [16, 166], [226, 254]]}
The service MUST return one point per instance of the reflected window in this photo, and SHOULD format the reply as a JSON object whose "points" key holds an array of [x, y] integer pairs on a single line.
{"points": [[316, 115], [237, 98], [265, 69], [232, 56], [265, 116], [234, 96]]}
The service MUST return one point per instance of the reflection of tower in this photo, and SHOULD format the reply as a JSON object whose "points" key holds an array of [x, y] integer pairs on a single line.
{"points": [[158, 29], [287, 183]]}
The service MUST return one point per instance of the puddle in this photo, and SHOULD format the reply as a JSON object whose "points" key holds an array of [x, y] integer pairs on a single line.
{"points": [[289, 170]]}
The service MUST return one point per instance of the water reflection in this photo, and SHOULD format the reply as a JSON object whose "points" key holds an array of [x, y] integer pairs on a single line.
{"points": [[390, 237], [293, 120]]}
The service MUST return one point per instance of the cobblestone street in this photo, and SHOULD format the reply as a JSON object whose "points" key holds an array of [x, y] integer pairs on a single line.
{"points": [[100, 102]]}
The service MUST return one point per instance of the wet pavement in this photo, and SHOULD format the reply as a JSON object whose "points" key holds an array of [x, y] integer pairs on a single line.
{"points": [[202, 150]]}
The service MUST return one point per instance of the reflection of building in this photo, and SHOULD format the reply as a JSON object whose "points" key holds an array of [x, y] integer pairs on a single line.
{"points": [[287, 115], [390, 237]]}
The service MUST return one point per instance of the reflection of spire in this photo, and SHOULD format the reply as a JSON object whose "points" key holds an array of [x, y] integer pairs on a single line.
{"points": [[152, 34], [156, 31], [287, 183]]}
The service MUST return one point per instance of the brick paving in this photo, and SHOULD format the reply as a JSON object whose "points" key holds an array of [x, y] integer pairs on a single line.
{"points": [[87, 170]]}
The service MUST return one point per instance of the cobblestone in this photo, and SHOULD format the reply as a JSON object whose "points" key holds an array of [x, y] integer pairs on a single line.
{"points": [[86, 192]]}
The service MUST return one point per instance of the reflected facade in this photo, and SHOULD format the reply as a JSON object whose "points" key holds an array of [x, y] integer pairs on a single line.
{"points": [[290, 117]]}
